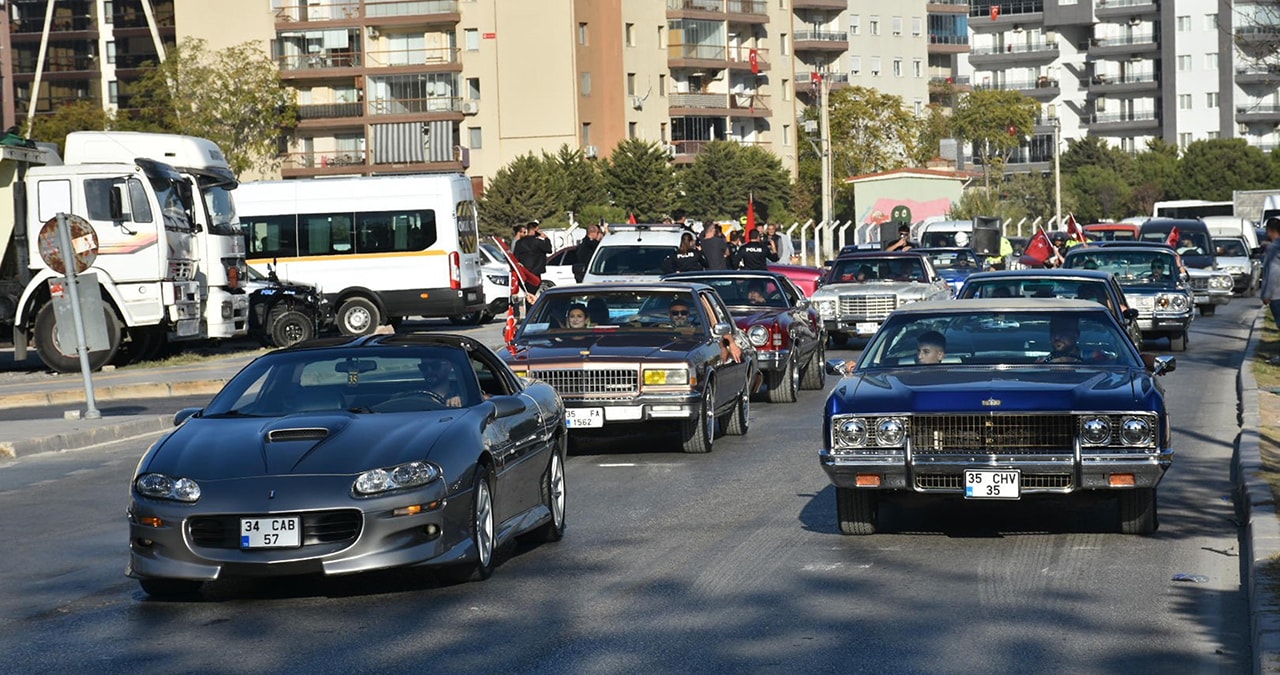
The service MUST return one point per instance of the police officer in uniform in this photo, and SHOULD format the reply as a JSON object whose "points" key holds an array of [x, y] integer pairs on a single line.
{"points": [[755, 254]]}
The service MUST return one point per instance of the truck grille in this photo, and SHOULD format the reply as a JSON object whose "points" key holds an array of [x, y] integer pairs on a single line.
{"points": [[610, 382], [1007, 434], [868, 306], [322, 527]]}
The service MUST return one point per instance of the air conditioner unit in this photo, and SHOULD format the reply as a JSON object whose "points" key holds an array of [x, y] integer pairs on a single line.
{"points": [[590, 151], [1135, 21], [637, 103], [470, 107], [372, 33], [670, 149]]}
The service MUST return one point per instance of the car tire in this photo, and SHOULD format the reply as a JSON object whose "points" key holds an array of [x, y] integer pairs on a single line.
{"points": [[697, 433], [358, 316], [475, 318], [46, 339], [815, 371], [857, 510], [553, 497], [1208, 310], [739, 420], [1178, 342], [170, 588], [482, 532], [290, 326], [837, 340], [1138, 511], [782, 386]]}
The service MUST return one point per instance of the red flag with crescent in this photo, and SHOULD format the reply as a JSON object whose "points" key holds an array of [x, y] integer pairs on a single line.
{"points": [[754, 57], [751, 216], [1173, 237], [1074, 230], [631, 218], [1038, 249]]}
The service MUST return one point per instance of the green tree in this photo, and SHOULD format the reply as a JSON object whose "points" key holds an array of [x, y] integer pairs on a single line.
{"points": [[1026, 196], [1153, 175], [1091, 151], [1212, 169], [639, 179], [722, 177], [870, 132], [994, 121], [233, 97], [576, 182], [519, 192], [82, 115], [1100, 194], [934, 126]]}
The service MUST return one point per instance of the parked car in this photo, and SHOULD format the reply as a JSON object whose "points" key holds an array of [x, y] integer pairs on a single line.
{"points": [[1152, 285], [560, 267], [644, 353], [633, 253], [787, 333], [1078, 284], [345, 455], [954, 263], [282, 314], [1010, 411], [1234, 258], [862, 288]]}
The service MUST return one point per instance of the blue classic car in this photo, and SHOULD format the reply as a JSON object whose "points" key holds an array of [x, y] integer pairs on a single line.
{"points": [[953, 263], [998, 399]]}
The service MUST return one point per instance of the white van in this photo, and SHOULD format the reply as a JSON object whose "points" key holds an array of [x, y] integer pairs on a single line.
{"points": [[633, 253], [945, 233], [380, 248]]}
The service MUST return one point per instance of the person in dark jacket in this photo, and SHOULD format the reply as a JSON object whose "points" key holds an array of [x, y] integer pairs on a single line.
{"points": [[687, 258], [715, 248], [586, 249], [735, 243], [532, 249], [755, 254]]}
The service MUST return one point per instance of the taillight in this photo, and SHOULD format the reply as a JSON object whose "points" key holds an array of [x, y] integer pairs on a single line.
{"points": [[455, 270]]}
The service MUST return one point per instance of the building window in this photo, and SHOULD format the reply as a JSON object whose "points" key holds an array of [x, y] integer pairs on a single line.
{"points": [[1184, 62], [662, 132], [582, 34], [113, 92], [662, 85], [1211, 61], [1184, 24], [786, 134], [471, 39], [784, 45], [586, 133], [1212, 135], [917, 26], [631, 84], [1211, 99], [662, 38], [631, 130], [584, 86], [786, 90], [917, 68], [1211, 22], [475, 138], [1184, 139], [897, 67], [629, 31], [919, 107], [473, 88], [855, 24], [855, 66], [111, 52], [896, 24], [873, 26], [1184, 101], [108, 11], [875, 66]]}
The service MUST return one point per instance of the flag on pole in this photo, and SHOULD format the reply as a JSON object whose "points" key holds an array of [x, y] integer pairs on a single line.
{"points": [[1074, 230], [631, 218], [1038, 250], [751, 216], [1173, 237]]}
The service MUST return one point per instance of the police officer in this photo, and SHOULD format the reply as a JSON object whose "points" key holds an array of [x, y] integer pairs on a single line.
{"points": [[755, 254]]}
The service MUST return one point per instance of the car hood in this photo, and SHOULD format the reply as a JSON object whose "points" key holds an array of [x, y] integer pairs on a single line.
{"points": [[746, 317], [640, 344], [209, 449], [1234, 261], [955, 275], [872, 288], [966, 389]]}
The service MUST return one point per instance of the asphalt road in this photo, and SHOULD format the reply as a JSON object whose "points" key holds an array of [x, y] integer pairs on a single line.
{"points": [[726, 562]]}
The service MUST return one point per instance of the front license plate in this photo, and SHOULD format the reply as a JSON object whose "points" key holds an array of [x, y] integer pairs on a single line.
{"points": [[866, 328], [992, 483], [583, 418], [271, 532]]}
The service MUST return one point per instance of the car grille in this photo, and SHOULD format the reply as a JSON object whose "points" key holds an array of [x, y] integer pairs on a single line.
{"points": [[612, 382], [868, 306], [1007, 434], [321, 527], [1029, 481], [1200, 283]]}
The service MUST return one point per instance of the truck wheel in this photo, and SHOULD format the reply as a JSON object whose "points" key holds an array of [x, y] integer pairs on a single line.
{"points": [[144, 344], [290, 326], [358, 316], [1138, 511], [857, 510], [46, 339], [1178, 342]]}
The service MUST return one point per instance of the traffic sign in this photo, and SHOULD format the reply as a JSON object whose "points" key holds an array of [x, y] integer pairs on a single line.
{"points": [[84, 243]]}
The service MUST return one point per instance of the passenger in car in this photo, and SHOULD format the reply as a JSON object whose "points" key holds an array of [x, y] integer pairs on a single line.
{"points": [[931, 347], [755, 294], [597, 311], [437, 375], [576, 317]]}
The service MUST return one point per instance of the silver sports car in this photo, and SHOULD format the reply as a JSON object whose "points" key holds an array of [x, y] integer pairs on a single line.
{"points": [[346, 455]]}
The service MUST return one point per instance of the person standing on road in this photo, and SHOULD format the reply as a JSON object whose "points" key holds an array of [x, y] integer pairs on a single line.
{"points": [[755, 254], [532, 249], [1270, 292], [781, 242], [587, 248], [687, 258], [715, 248]]}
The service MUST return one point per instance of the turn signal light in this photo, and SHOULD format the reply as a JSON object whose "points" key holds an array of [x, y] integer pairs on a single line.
{"points": [[151, 521], [1122, 480], [868, 480], [408, 510]]}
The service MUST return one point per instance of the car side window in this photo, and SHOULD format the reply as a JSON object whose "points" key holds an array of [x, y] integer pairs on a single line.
{"points": [[494, 379], [721, 315]]}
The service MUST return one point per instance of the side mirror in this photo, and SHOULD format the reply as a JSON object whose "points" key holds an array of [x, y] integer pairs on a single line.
{"points": [[802, 304], [182, 415], [1255, 252], [722, 330], [1130, 314], [1160, 364], [837, 367], [506, 406]]}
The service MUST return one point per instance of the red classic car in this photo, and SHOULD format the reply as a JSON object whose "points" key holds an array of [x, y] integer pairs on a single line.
{"points": [[775, 315], [804, 276]]}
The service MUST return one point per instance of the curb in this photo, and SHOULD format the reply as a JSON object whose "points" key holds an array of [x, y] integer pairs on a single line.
{"points": [[1261, 536], [81, 439], [113, 393]]}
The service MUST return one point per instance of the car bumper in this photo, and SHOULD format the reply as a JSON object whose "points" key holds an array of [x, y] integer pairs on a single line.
{"points": [[344, 536], [643, 408], [1164, 324], [862, 327], [774, 360], [1041, 474], [1211, 298]]}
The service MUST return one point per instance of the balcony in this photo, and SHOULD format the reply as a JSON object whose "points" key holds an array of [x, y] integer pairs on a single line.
{"points": [[947, 6], [439, 11], [56, 63], [1103, 84], [1121, 9], [1257, 74], [1142, 44], [749, 105], [687, 151], [1123, 122], [334, 11], [740, 58], [821, 41], [1258, 113], [65, 23], [320, 61], [342, 160], [1017, 12], [415, 106], [698, 104], [390, 58], [805, 86], [682, 55], [950, 83], [944, 43], [823, 5], [747, 11], [1024, 53], [329, 112], [1042, 87]]}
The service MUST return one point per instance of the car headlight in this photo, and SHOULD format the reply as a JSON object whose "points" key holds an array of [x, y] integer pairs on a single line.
{"points": [[826, 308], [498, 280], [662, 376], [890, 432], [758, 335], [851, 432], [1174, 301], [399, 477], [1096, 430], [1234, 269], [1135, 431], [160, 486], [1220, 281]]}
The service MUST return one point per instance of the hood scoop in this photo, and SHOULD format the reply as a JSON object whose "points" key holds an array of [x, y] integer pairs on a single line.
{"points": [[300, 434]]}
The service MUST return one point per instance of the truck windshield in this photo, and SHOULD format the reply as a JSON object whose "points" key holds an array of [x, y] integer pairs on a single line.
{"points": [[221, 210], [174, 208]]}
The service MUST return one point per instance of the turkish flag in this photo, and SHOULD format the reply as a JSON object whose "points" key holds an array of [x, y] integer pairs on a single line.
{"points": [[995, 12], [1173, 237], [1038, 250], [631, 218], [754, 57], [1074, 230], [815, 78], [521, 273], [751, 216]]}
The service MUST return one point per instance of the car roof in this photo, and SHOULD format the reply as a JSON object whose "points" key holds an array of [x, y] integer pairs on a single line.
{"points": [[941, 249], [999, 305], [1166, 224], [453, 340], [656, 286], [856, 255], [1059, 273], [680, 276], [1134, 244]]}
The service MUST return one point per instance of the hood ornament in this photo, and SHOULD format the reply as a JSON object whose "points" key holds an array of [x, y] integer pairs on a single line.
{"points": [[991, 403], [271, 494]]}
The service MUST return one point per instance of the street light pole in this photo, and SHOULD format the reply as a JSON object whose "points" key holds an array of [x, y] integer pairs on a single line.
{"points": [[824, 142], [1057, 173]]}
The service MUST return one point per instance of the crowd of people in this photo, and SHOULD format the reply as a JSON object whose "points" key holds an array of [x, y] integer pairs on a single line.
{"points": [[711, 249]]}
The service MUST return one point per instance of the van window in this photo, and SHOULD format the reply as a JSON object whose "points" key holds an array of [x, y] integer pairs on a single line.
{"points": [[270, 237]]}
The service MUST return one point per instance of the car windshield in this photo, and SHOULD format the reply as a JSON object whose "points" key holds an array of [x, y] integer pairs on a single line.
{"points": [[616, 310], [367, 379], [1189, 243], [740, 292], [1072, 289], [1112, 235], [625, 260], [857, 270], [945, 239], [1000, 338], [960, 259], [1231, 248], [1131, 268]]}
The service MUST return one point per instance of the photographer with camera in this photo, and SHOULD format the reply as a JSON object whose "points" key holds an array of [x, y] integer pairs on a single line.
{"points": [[903, 242]]}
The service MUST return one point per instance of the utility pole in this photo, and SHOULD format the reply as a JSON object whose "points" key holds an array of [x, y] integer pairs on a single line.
{"points": [[824, 142], [1057, 169]]}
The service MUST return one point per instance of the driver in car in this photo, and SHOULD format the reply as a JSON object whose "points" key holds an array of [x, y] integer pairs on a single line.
{"points": [[438, 377], [1064, 334]]}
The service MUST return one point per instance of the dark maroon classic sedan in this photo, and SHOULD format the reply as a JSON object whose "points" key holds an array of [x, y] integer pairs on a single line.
{"points": [[776, 317]]}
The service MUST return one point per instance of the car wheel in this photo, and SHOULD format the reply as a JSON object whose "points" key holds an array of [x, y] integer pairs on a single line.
{"points": [[739, 419], [482, 535], [1208, 310], [837, 340], [290, 326], [358, 316], [782, 386], [552, 497], [46, 339], [696, 433], [475, 318], [1178, 342], [1138, 511], [857, 510], [815, 372], [170, 588]]}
